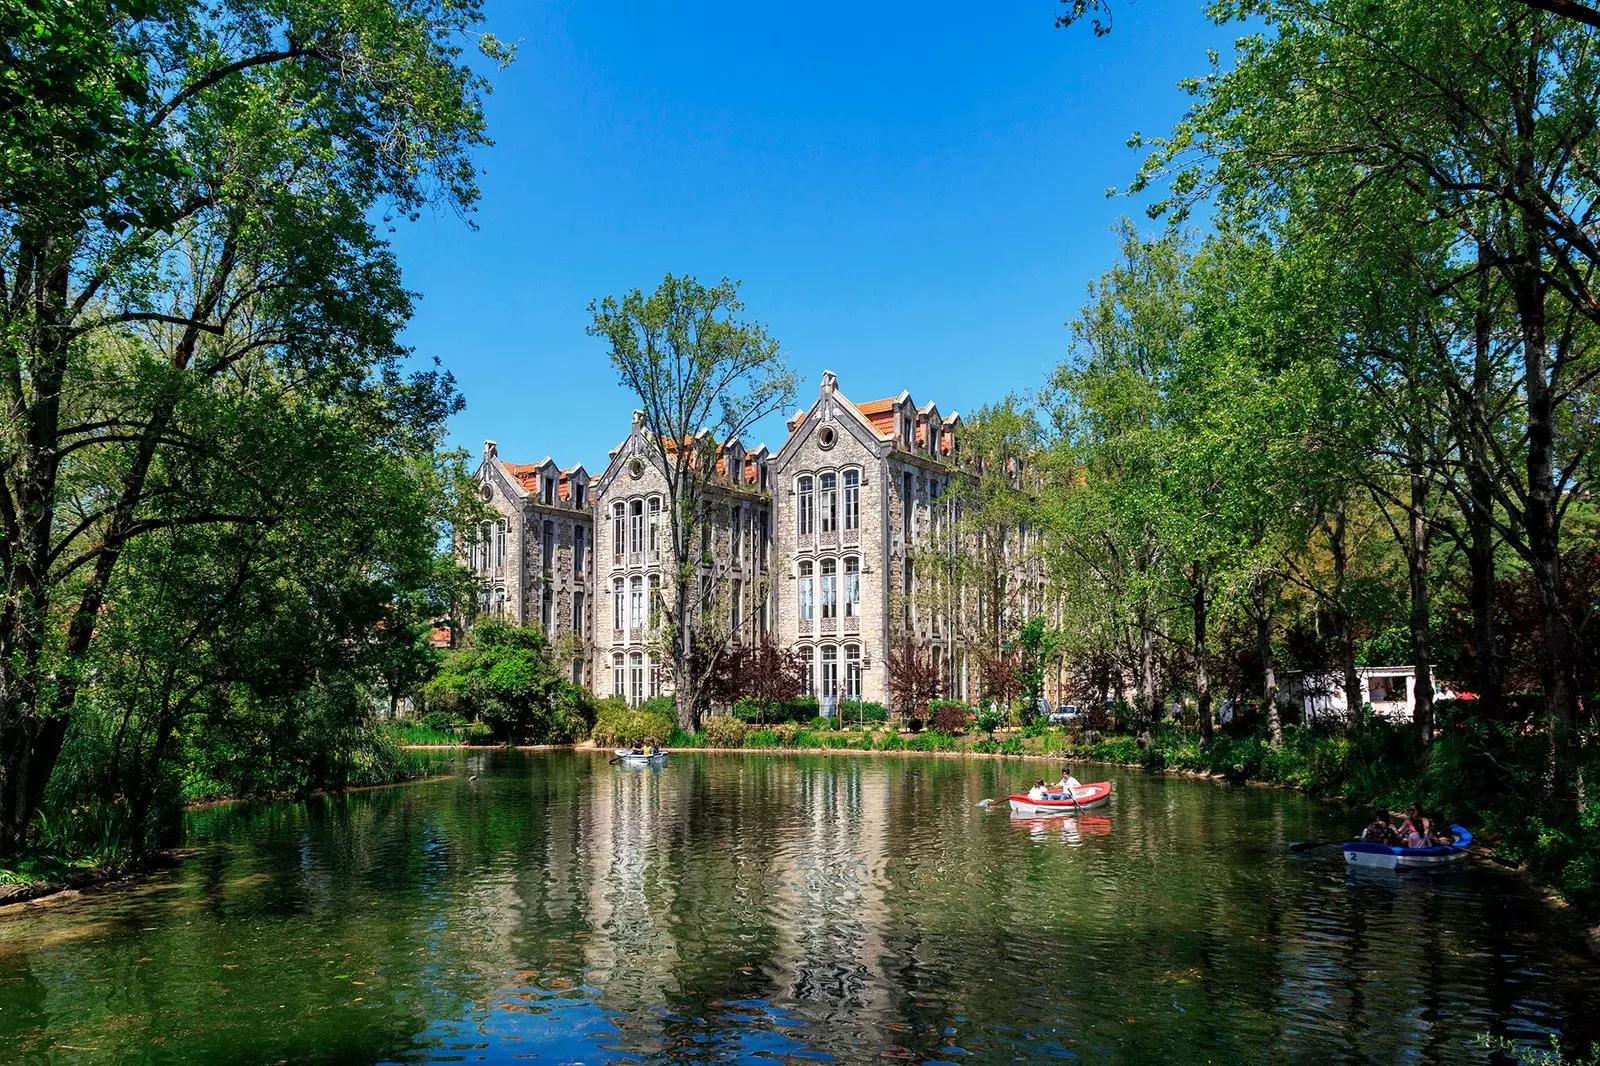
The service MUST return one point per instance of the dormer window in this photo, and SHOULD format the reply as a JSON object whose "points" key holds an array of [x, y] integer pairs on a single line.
{"points": [[549, 491], [578, 496]]}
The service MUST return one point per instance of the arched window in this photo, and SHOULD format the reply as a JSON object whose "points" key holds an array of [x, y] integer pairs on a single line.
{"points": [[830, 588], [830, 674], [852, 499], [828, 502], [618, 678], [636, 678], [616, 605], [805, 590], [655, 523], [852, 586], [636, 603], [618, 527], [499, 603], [653, 604], [852, 671], [804, 519], [636, 526], [808, 678]]}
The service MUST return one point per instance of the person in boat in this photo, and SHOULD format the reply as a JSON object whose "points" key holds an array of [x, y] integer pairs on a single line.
{"points": [[1038, 791], [1379, 831], [638, 747], [1419, 832], [1067, 782], [655, 749]]}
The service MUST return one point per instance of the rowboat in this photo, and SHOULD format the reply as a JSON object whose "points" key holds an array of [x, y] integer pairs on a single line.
{"points": [[1386, 857], [1082, 798], [629, 757]]}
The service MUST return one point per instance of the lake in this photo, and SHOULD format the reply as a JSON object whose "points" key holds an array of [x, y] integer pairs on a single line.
{"points": [[555, 908]]}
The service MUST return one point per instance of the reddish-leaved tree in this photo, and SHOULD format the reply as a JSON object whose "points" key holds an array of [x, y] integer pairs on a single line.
{"points": [[766, 675], [914, 679]]}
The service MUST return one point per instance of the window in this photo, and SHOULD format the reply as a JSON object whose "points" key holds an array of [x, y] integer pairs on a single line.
{"points": [[577, 613], [484, 546], [805, 591], [761, 613], [653, 603], [809, 682], [761, 546], [852, 499], [655, 523], [1390, 689], [762, 468], [830, 673], [803, 515], [578, 545], [636, 603], [499, 603], [905, 504], [579, 493], [549, 545], [616, 606], [738, 597], [549, 491], [933, 438], [907, 581], [618, 678], [618, 524], [636, 526], [828, 498], [577, 671], [852, 587], [500, 543], [830, 588], [735, 528], [547, 607], [635, 678], [852, 671]]}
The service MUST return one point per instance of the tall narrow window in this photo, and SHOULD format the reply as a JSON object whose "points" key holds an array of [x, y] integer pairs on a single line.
{"points": [[830, 673], [734, 614], [852, 586], [655, 523], [549, 492], [580, 494], [636, 603], [805, 591], [852, 499], [809, 681], [618, 678], [761, 537], [905, 504], [653, 603], [577, 614], [500, 543], [636, 526], [762, 613], [617, 605], [828, 502], [549, 545], [830, 588], [547, 609], [804, 518], [499, 603], [618, 528], [735, 529], [485, 546], [908, 582], [579, 539], [852, 671], [636, 678], [577, 671]]}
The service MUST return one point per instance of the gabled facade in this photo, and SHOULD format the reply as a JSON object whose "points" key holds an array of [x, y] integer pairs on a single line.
{"points": [[535, 561]]}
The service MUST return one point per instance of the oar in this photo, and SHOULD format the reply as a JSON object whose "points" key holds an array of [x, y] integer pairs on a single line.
{"points": [[1311, 845]]}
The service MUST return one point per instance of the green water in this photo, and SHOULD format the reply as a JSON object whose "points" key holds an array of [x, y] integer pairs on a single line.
{"points": [[732, 908]]}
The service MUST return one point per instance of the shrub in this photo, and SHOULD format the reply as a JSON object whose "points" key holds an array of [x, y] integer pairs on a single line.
{"points": [[820, 724], [871, 713], [932, 740], [616, 724], [950, 717], [724, 732], [786, 734]]}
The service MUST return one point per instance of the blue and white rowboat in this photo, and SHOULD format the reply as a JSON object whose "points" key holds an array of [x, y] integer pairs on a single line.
{"points": [[629, 757], [1385, 857]]}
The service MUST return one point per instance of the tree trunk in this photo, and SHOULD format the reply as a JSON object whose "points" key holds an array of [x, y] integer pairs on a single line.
{"points": [[1269, 669], [1202, 674], [1481, 541], [1417, 569], [1147, 674], [1344, 623]]}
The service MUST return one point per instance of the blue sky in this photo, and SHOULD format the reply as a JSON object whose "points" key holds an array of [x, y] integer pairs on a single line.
{"points": [[912, 194]]}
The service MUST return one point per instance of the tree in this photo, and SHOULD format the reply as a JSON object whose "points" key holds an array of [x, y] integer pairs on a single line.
{"points": [[702, 376], [914, 678], [214, 225], [765, 675], [507, 678]]}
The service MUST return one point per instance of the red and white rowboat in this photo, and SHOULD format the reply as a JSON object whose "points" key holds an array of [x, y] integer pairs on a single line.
{"points": [[1083, 798]]}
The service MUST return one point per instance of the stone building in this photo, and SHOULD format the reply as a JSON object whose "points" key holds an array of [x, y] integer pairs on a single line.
{"points": [[634, 549], [815, 548], [535, 562], [857, 490]]}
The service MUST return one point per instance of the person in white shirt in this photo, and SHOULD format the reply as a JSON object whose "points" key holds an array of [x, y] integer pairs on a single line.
{"points": [[1067, 782], [1037, 792]]}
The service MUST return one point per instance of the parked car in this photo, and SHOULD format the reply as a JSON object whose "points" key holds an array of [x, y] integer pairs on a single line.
{"points": [[1064, 714]]}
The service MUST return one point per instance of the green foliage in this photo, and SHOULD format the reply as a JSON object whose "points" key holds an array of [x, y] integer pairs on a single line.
{"points": [[989, 718], [722, 731], [932, 740], [507, 678], [616, 725], [949, 717]]}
